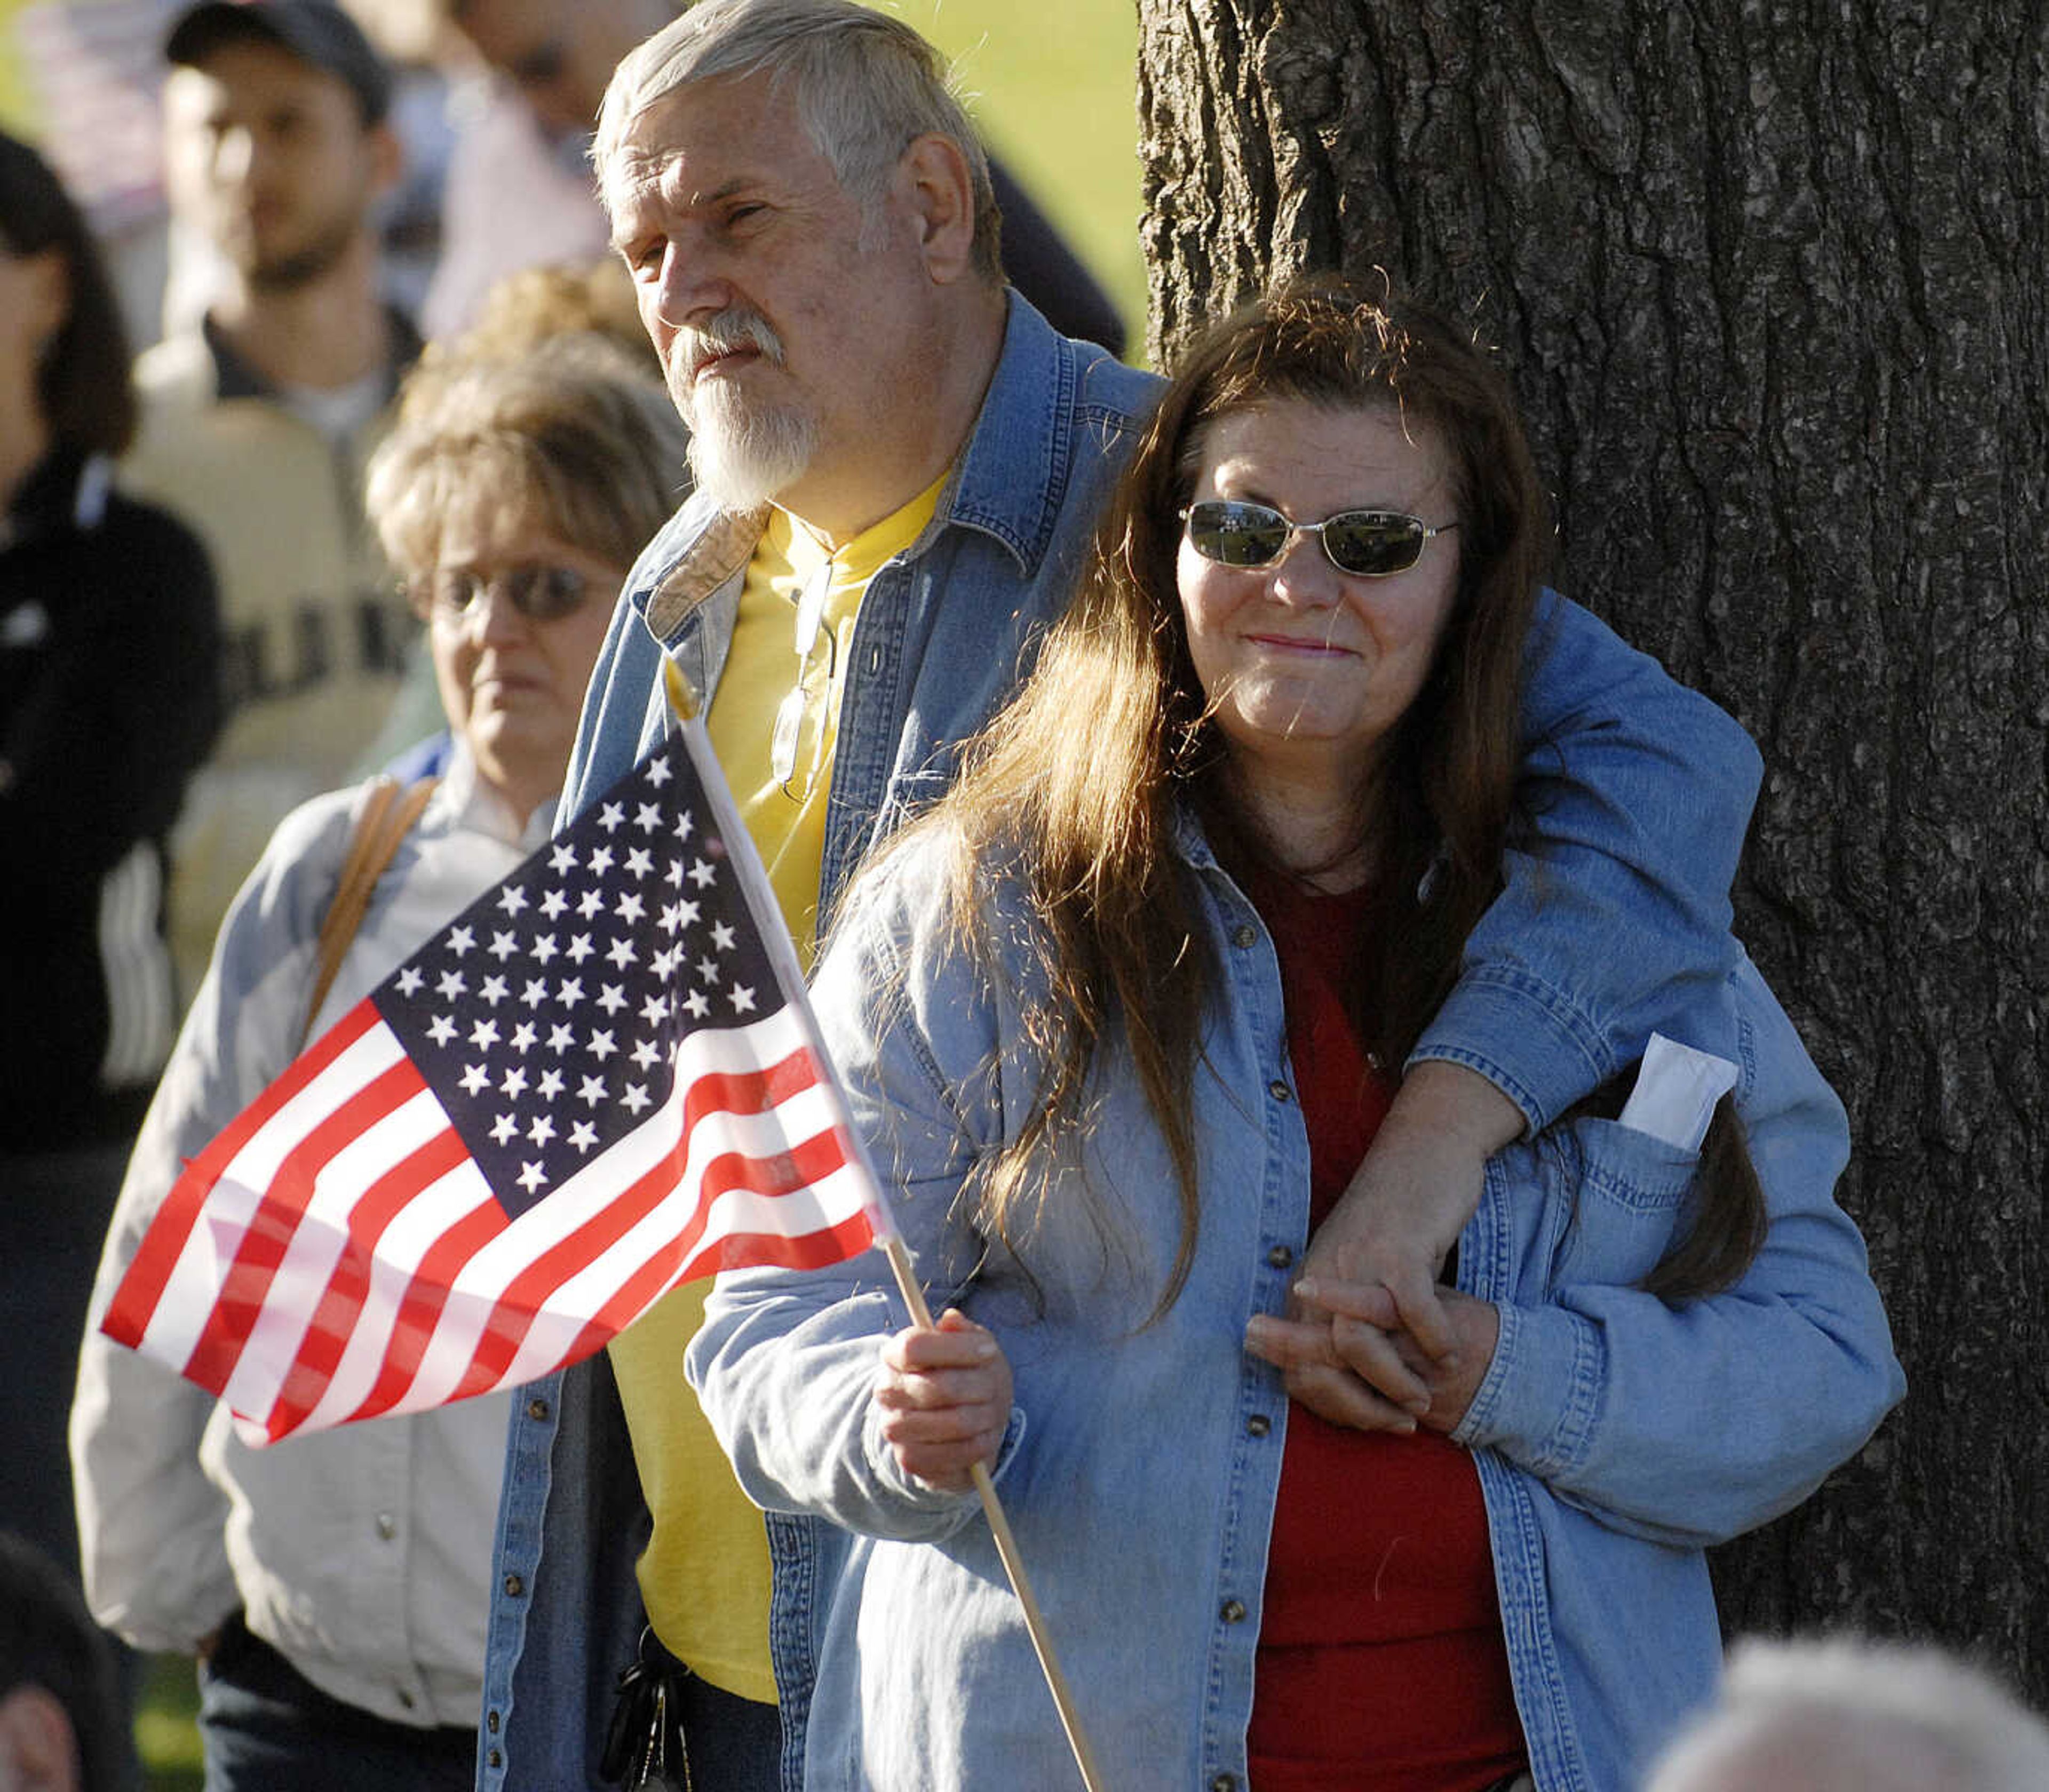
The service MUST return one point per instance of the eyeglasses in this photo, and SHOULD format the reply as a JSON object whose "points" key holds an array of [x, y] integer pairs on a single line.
{"points": [[1369, 544], [539, 593]]}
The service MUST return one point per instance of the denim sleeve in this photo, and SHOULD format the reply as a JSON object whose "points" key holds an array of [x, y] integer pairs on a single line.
{"points": [[785, 1361], [1689, 1423], [1615, 911]]}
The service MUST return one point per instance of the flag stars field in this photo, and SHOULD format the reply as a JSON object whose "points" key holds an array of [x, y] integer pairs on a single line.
{"points": [[593, 878]]}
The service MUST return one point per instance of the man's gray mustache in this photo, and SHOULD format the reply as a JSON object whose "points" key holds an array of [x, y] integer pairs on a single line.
{"points": [[729, 331]]}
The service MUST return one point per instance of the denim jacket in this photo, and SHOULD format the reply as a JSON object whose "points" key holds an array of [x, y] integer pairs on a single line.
{"points": [[1643, 790], [1615, 1435]]}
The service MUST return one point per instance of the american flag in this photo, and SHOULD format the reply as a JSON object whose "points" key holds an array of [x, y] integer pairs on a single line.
{"points": [[600, 1080]]}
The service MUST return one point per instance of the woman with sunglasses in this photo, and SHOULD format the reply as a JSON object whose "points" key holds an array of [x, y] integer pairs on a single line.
{"points": [[337, 1586], [1119, 1018]]}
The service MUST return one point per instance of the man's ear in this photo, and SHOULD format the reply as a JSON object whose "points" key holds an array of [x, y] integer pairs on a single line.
{"points": [[934, 174], [37, 1752]]}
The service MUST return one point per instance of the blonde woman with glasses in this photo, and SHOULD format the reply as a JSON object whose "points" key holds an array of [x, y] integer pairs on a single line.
{"points": [[336, 1586]]}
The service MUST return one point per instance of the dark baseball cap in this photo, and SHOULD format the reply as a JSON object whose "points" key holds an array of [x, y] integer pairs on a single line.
{"points": [[315, 31]]}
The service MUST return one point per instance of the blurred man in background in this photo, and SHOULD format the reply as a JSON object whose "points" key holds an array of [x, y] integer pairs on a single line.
{"points": [[256, 422], [558, 57]]}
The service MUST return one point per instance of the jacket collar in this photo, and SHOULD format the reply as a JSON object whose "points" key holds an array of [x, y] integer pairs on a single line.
{"points": [[1190, 841], [1012, 473], [236, 377]]}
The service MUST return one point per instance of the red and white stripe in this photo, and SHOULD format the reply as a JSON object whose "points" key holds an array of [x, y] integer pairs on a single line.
{"points": [[336, 1254]]}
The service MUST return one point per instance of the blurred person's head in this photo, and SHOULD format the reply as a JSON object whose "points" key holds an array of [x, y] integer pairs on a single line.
{"points": [[64, 350], [1853, 1716], [512, 496], [808, 217], [559, 54], [277, 143], [526, 307], [61, 1724]]}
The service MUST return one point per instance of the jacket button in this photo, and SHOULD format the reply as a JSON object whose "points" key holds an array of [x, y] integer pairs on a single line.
{"points": [[490, 1722], [1224, 1782], [497, 1760], [1278, 1090], [1232, 1611], [407, 1699], [1279, 1256], [387, 1527], [1258, 1425], [513, 1586], [537, 1408], [1244, 933]]}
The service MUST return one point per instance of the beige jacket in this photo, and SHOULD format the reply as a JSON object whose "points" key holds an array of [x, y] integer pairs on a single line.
{"points": [[315, 635], [362, 1554]]}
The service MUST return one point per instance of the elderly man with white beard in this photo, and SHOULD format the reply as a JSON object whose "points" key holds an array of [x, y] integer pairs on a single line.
{"points": [[899, 465]]}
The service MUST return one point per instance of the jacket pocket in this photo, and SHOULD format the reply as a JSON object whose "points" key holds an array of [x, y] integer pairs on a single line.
{"points": [[1629, 1203]]}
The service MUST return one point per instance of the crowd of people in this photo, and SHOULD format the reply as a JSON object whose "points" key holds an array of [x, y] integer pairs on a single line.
{"points": [[1278, 953]]}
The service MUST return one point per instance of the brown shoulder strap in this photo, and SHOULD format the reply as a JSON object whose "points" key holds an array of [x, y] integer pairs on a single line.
{"points": [[387, 818]]}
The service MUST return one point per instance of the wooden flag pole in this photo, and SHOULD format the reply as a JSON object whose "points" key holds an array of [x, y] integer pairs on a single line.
{"points": [[685, 704], [1006, 1544]]}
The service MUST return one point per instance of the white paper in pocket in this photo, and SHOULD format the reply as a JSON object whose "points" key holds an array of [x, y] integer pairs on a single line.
{"points": [[1677, 1088]]}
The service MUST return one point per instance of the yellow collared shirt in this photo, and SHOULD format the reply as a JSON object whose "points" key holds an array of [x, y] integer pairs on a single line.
{"points": [[705, 1574]]}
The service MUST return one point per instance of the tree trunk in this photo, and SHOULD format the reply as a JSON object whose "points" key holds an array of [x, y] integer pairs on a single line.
{"points": [[1771, 275]]}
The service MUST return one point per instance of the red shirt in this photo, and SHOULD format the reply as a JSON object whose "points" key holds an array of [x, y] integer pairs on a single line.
{"points": [[1381, 1662]]}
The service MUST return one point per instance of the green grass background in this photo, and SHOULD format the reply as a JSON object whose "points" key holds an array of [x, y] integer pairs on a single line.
{"points": [[165, 1736], [1053, 85]]}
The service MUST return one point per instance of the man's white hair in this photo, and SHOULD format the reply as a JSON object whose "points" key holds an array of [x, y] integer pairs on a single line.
{"points": [[1817, 1715], [866, 85]]}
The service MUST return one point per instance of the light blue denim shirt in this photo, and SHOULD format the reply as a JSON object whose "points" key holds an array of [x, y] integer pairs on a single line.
{"points": [[1615, 1435], [1641, 788]]}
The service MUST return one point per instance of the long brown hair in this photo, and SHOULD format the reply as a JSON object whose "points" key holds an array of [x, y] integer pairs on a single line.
{"points": [[1071, 794]]}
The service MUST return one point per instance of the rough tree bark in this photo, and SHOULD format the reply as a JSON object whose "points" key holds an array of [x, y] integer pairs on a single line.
{"points": [[1771, 277]]}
